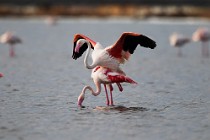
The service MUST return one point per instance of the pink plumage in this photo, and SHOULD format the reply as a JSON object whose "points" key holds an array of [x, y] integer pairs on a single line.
{"points": [[10, 39], [106, 61], [202, 34]]}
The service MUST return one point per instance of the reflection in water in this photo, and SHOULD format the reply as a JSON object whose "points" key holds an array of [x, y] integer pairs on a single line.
{"points": [[120, 108]]}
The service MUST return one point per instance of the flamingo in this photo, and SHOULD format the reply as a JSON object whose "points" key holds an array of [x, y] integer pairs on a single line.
{"points": [[112, 56], [107, 77], [11, 39], [202, 34], [51, 20], [109, 58], [178, 40]]}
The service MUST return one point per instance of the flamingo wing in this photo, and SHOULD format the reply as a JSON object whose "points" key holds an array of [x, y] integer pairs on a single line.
{"points": [[83, 48], [115, 77], [127, 43]]}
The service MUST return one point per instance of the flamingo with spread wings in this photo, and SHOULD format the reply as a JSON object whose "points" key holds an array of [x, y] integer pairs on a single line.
{"points": [[110, 57]]}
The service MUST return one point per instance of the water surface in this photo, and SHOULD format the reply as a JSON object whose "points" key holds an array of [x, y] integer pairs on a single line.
{"points": [[38, 94]]}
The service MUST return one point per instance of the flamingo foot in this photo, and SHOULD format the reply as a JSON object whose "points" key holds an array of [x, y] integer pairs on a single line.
{"points": [[107, 102], [112, 103]]}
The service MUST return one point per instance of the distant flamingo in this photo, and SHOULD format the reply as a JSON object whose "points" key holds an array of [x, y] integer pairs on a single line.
{"points": [[1, 75], [51, 20], [202, 34], [178, 40], [111, 57], [101, 75], [9, 38]]}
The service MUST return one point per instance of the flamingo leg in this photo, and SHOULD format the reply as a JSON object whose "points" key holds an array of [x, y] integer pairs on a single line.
{"points": [[119, 86], [180, 52], [111, 89], [205, 49], [12, 51], [107, 97]]}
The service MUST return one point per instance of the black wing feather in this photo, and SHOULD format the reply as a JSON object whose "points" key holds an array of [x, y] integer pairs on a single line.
{"points": [[131, 42]]}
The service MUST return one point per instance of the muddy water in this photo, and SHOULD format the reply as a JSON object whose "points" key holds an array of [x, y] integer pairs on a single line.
{"points": [[39, 91]]}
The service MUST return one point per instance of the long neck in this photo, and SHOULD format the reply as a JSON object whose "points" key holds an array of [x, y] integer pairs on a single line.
{"points": [[95, 93], [86, 58]]}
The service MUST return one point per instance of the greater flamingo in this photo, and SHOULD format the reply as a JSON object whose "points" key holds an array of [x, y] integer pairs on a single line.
{"points": [[111, 57], [178, 40], [202, 34], [11, 39], [107, 77]]}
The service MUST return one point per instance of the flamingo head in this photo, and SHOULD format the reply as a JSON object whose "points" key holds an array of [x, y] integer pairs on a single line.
{"points": [[80, 100], [79, 44]]}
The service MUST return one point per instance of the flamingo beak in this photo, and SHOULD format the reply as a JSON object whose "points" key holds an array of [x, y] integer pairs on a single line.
{"points": [[77, 48], [80, 100]]}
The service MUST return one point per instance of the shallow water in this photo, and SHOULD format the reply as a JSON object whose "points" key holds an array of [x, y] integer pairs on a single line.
{"points": [[38, 94]]}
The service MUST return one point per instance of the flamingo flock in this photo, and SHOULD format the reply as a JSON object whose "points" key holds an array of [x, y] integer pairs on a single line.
{"points": [[106, 61], [202, 34], [10, 39]]}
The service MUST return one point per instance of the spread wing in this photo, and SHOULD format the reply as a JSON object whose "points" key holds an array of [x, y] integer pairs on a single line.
{"points": [[83, 48], [127, 43]]}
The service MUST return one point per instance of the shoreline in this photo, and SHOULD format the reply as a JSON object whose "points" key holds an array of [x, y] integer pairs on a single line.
{"points": [[132, 11]]}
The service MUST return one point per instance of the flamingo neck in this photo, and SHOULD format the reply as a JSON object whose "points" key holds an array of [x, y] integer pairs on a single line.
{"points": [[95, 93], [93, 65]]}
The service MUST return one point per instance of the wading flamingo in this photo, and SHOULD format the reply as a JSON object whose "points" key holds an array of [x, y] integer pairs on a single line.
{"points": [[178, 40], [1, 75], [11, 39], [107, 77], [202, 34], [111, 57]]}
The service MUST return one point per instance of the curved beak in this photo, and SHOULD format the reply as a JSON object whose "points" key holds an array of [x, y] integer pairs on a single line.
{"points": [[77, 48]]}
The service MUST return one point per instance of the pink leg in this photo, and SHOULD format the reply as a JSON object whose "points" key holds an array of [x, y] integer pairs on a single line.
{"points": [[119, 86], [111, 88], [12, 51], [107, 97]]}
